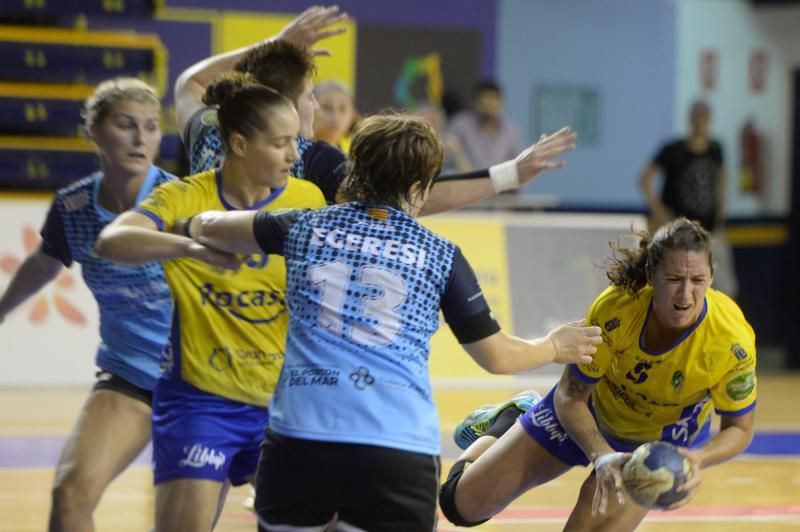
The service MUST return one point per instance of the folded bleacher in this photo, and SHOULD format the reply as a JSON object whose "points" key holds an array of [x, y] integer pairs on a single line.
{"points": [[48, 71]]}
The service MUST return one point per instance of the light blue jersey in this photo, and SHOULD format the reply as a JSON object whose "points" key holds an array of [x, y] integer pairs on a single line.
{"points": [[364, 288], [134, 302]]}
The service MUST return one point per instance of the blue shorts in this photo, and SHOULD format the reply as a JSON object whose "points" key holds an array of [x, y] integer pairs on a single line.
{"points": [[201, 435], [542, 424]]}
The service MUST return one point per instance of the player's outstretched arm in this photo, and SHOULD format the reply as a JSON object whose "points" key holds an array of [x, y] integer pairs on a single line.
{"points": [[37, 270], [134, 239], [231, 232], [501, 353], [312, 25], [451, 193], [572, 407]]}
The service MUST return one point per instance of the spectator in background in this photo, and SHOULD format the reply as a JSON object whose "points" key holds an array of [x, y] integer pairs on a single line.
{"points": [[694, 187], [486, 136], [335, 115], [455, 160]]}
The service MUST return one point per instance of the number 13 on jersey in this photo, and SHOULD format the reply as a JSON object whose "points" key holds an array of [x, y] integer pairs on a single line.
{"points": [[371, 298]]}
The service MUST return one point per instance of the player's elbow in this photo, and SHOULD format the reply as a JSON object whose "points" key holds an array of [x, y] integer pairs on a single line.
{"points": [[106, 246]]}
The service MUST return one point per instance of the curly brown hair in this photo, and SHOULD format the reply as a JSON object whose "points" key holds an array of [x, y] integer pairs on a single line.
{"points": [[628, 269], [389, 154]]}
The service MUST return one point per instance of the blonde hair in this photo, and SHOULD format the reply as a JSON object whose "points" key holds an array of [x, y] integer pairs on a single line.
{"points": [[110, 92]]}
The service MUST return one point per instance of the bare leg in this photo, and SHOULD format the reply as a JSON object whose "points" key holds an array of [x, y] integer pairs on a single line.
{"points": [[111, 431], [188, 505], [223, 495], [618, 518], [503, 470]]}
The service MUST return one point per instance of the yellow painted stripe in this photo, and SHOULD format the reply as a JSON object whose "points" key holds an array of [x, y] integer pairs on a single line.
{"points": [[46, 143], [26, 196], [757, 235], [45, 91], [78, 37]]}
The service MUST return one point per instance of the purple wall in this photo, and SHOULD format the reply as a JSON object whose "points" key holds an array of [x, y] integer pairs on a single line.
{"points": [[466, 14]]}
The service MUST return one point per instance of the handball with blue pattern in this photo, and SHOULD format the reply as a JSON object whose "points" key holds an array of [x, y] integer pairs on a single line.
{"points": [[654, 473]]}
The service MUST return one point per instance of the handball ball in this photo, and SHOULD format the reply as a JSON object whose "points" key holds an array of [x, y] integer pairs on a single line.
{"points": [[654, 473]]}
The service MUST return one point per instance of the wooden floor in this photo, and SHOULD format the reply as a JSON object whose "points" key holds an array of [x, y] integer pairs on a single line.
{"points": [[751, 493]]}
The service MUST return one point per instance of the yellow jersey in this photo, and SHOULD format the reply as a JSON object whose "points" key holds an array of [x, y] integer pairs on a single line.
{"points": [[229, 328], [642, 395]]}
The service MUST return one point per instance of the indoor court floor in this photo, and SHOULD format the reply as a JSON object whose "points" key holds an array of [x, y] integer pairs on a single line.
{"points": [[756, 492]]}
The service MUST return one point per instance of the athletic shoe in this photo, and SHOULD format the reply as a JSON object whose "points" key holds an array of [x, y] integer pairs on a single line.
{"points": [[481, 420]]}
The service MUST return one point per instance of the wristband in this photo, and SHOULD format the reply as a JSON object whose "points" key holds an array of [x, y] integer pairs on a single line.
{"points": [[504, 176]]}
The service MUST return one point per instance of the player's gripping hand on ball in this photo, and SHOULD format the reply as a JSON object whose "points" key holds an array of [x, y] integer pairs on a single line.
{"points": [[608, 472], [693, 483]]}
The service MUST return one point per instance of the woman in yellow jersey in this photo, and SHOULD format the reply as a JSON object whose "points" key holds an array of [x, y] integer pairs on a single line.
{"points": [[672, 349], [230, 316]]}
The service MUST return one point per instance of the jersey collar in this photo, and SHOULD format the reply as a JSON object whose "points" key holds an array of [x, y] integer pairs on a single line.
{"points": [[256, 207], [682, 337], [144, 191]]}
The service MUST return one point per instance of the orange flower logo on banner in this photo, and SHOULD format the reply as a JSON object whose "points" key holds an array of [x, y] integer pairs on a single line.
{"points": [[65, 282]]}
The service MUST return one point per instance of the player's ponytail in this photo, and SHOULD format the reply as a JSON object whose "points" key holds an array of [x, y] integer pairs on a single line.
{"points": [[243, 104], [628, 269]]}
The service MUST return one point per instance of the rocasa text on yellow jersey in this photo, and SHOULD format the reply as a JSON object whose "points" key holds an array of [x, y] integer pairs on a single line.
{"points": [[229, 328]]}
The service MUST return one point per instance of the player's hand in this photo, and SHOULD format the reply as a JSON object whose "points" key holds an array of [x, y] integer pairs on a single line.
{"points": [[539, 156], [693, 482], [608, 476], [574, 343], [312, 25], [220, 259]]}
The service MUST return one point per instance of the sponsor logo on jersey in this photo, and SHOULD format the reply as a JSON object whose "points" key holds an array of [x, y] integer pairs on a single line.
{"points": [[677, 380], [687, 426], [313, 376], [220, 358], [639, 372], [361, 378], [209, 118], [741, 386], [738, 351], [545, 418], [198, 456], [241, 304]]}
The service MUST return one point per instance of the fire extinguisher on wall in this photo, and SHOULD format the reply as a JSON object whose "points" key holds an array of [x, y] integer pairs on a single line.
{"points": [[750, 178]]}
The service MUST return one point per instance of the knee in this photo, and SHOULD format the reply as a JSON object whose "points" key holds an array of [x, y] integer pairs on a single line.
{"points": [[447, 498], [74, 490]]}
